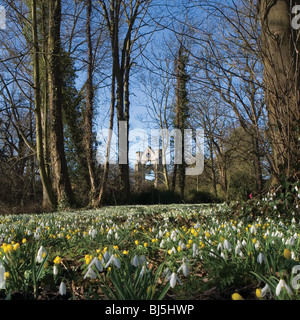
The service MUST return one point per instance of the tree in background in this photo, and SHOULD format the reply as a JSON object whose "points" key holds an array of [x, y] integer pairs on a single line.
{"points": [[181, 113]]}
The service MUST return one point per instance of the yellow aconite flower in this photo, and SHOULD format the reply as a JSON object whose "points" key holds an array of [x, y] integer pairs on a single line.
{"points": [[207, 235], [287, 254], [8, 248], [145, 244], [88, 258], [136, 242], [258, 293], [57, 260], [16, 246], [24, 241], [237, 296], [178, 248], [125, 252], [116, 247], [6, 275]]}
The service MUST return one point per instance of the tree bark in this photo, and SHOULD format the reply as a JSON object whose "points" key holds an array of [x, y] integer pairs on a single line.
{"points": [[49, 200], [58, 158], [280, 48], [89, 111]]}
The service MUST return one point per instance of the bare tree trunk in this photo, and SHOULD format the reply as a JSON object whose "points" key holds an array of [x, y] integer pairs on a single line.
{"points": [[108, 143], [89, 111], [280, 48], [48, 195], [59, 164]]}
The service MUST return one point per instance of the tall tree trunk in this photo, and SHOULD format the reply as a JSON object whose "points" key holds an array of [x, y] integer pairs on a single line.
{"points": [[280, 47], [48, 195], [89, 111], [108, 143], [58, 158], [181, 112]]}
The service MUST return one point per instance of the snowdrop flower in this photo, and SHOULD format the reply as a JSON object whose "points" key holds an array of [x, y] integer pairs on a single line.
{"points": [[106, 256], [223, 256], [90, 274], [244, 243], [283, 285], [135, 261], [143, 271], [220, 247], [143, 259], [97, 263], [173, 280], [265, 290], [238, 249], [55, 270], [41, 254], [173, 250], [113, 259], [227, 245], [261, 258], [62, 289], [184, 267], [253, 229], [2, 277]]}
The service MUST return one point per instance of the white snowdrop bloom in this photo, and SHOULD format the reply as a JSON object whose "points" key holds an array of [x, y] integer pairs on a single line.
{"points": [[97, 263], [223, 256], [143, 259], [261, 258], [184, 267], [220, 247], [55, 270], [244, 242], [90, 274], [42, 252], [227, 245], [173, 250], [62, 289], [162, 243], [293, 220], [2, 277], [283, 285], [293, 256], [143, 271], [238, 248], [173, 280], [256, 246], [266, 289], [291, 241], [106, 255], [197, 225], [195, 250], [113, 259], [253, 229]]}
